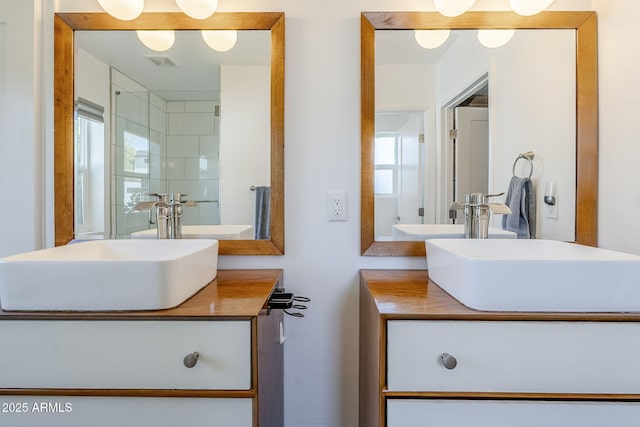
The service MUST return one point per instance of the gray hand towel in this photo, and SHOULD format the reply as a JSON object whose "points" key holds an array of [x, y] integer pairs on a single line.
{"points": [[521, 200], [263, 213]]}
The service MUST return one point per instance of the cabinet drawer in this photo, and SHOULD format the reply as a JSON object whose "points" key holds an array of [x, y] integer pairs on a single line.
{"points": [[553, 357], [35, 411], [488, 413], [125, 354]]}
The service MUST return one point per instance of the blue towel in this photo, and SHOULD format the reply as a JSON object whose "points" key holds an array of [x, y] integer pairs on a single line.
{"points": [[521, 200], [262, 221]]}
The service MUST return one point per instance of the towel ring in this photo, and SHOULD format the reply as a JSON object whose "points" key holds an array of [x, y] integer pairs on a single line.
{"points": [[527, 156]]}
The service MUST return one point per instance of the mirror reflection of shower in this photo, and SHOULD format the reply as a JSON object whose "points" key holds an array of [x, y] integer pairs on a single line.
{"points": [[162, 146]]}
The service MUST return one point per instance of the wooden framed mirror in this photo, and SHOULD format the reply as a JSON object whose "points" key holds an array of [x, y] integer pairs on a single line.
{"points": [[65, 26], [586, 113]]}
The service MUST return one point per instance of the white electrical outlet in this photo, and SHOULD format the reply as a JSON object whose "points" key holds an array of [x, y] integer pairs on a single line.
{"points": [[337, 206], [551, 212]]}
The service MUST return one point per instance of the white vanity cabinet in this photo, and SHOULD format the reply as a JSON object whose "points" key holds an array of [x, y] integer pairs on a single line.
{"points": [[427, 360], [215, 360]]}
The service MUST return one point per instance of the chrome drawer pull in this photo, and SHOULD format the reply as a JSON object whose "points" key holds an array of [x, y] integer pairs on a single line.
{"points": [[448, 360], [191, 359]]}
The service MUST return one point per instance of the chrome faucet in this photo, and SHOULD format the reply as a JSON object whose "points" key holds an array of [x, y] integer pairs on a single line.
{"points": [[175, 209], [476, 214], [168, 210]]}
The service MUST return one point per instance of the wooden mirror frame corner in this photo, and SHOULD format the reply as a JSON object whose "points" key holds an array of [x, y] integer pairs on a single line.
{"points": [[585, 24], [65, 24]]}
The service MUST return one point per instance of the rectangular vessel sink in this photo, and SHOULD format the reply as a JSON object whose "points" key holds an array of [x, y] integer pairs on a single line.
{"points": [[108, 275], [218, 232], [441, 231], [535, 275]]}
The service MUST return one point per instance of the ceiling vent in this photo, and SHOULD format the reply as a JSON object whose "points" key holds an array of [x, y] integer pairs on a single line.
{"points": [[162, 61]]}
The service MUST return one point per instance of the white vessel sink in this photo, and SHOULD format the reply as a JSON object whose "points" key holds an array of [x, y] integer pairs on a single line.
{"points": [[535, 275], [441, 231], [106, 275], [218, 232]]}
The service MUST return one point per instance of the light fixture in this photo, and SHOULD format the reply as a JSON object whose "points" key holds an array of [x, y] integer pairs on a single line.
{"points": [[125, 10], [529, 7], [431, 39], [495, 38], [453, 8], [220, 40], [158, 40], [198, 9]]}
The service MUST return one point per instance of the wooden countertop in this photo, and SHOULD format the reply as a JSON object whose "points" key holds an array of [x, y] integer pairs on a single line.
{"points": [[409, 294], [233, 293]]}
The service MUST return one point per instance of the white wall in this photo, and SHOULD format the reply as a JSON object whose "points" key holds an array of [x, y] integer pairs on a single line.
{"points": [[245, 130], [619, 188], [21, 142], [322, 132], [404, 87]]}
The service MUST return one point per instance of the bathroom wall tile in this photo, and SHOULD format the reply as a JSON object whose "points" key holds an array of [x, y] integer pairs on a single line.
{"points": [[130, 190], [118, 160], [191, 124], [121, 126], [158, 119], [127, 221], [175, 106], [158, 186], [155, 167], [163, 145], [208, 189], [209, 145], [181, 187], [192, 168], [209, 213], [200, 106], [203, 168], [155, 148], [128, 107], [183, 146], [190, 188], [157, 102], [190, 216], [175, 168], [138, 129], [158, 144], [144, 114], [163, 167]]}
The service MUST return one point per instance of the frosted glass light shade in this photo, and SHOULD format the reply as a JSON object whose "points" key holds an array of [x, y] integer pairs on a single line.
{"points": [[220, 40], [529, 7], [158, 40], [495, 38], [198, 9], [453, 7], [431, 39], [125, 10]]}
